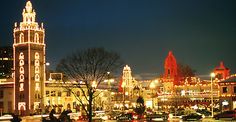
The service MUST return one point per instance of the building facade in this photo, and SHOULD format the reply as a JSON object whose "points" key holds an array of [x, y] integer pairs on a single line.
{"points": [[29, 62], [6, 62], [227, 93]]}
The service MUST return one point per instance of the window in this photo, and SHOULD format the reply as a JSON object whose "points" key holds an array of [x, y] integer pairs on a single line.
{"points": [[78, 93], [234, 89], [47, 93], [36, 38], [1, 94], [225, 89], [21, 38], [68, 93], [59, 94], [21, 86], [53, 93]]}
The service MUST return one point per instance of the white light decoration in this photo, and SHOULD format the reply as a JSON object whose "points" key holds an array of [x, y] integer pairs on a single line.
{"points": [[22, 70], [37, 77], [36, 55], [21, 56], [36, 38], [225, 103], [29, 57], [21, 38], [20, 105], [36, 62], [22, 78], [37, 88], [21, 86], [36, 69], [21, 62]]}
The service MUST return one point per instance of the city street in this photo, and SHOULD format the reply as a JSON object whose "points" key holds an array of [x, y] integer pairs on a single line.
{"points": [[31, 119]]}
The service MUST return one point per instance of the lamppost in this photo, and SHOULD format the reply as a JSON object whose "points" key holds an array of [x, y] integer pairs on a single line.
{"points": [[212, 76], [152, 86]]}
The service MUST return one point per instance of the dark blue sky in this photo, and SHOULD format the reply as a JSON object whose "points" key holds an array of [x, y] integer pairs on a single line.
{"points": [[201, 33]]}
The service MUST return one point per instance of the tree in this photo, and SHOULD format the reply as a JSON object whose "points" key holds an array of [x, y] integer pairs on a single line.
{"points": [[140, 107], [185, 71], [87, 69]]}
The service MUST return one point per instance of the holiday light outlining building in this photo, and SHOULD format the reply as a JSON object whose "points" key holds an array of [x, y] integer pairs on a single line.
{"points": [[29, 62]]}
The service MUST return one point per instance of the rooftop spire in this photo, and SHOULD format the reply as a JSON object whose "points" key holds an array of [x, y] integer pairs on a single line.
{"points": [[28, 13]]}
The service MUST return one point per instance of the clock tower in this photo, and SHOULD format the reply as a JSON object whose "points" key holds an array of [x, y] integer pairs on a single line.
{"points": [[29, 63]]}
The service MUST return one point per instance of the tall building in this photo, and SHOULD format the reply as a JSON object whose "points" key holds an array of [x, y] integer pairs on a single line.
{"points": [[29, 62], [170, 77], [221, 71], [170, 66], [6, 62]]}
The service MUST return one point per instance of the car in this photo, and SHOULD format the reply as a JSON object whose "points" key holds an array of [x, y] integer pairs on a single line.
{"points": [[125, 116], [204, 112], [192, 117], [6, 117], [226, 114], [157, 116]]}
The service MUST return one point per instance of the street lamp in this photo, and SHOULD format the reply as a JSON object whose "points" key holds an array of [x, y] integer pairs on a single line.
{"points": [[152, 86], [212, 76]]}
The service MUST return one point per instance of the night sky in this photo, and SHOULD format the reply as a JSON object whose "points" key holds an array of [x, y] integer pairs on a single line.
{"points": [[201, 33]]}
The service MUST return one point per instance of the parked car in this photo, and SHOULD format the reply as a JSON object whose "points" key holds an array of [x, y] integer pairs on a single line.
{"points": [[226, 114], [157, 116], [204, 112], [192, 117], [6, 117], [126, 116]]}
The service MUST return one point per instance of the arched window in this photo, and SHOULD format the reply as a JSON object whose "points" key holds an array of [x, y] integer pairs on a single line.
{"points": [[22, 78], [36, 63], [37, 77], [36, 38], [21, 56], [22, 70], [21, 86], [21, 62], [21, 38], [36, 56], [36, 69]]}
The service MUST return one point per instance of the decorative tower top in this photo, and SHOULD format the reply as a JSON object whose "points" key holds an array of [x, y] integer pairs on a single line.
{"points": [[28, 13], [29, 16], [22, 31], [170, 66], [221, 71]]}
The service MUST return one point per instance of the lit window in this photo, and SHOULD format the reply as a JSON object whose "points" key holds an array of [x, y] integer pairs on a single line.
{"points": [[21, 87]]}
